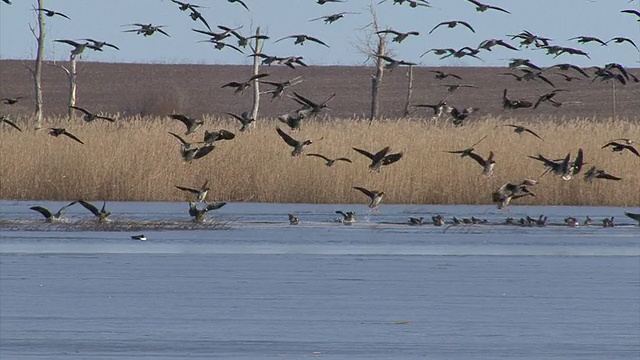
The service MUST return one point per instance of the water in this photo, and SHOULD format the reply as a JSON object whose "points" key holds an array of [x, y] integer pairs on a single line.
{"points": [[264, 289]]}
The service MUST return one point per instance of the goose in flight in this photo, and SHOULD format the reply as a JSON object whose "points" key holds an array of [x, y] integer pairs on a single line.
{"points": [[440, 75], [198, 214], [101, 215], [241, 3], [147, 29], [89, 116], [100, 44], [620, 40], [632, 12], [594, 173], [490, 43], [567, 67], [519, 129], [189, 151], [348, 218], [301, 38], [619, 147], [399, 36], [191, 123], [298, 146], [509, 104], [241, 87], [453, 23], [12, 101], [48, 215], [381, 158], [587, 39], [480, 7], [375, 197], [549, 97], [330, 162], [329, 19], [62, 131], [487, 164], [51, 13], [310, 107], [200, 193], [244, 119], [279, 87], [212, 136], [78, 48], [393, 63], [467, 151], [509, 191]]}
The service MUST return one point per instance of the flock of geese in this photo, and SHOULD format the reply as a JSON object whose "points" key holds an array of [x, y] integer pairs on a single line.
{"points": [[521, 70]]}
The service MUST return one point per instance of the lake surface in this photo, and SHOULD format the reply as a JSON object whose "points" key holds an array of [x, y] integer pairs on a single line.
{"points": [[260, 288]]}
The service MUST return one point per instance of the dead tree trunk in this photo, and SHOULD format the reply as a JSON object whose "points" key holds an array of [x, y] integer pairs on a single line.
{"points": [[37, 72], [409, 90], [381, 50], [256, 68], [72, 83]]}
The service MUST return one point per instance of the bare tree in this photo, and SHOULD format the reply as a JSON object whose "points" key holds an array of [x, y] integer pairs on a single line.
{"points": [[37, 72], [373, 45], [256, 68], [409, 90]]}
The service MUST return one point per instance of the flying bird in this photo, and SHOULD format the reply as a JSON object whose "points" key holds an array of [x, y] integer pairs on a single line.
{"points": [[279, 87], [200, 193], [212, 136], [620, 147], [147, 29], [78, 48], [329, 19], [633, 216], [440, 75], [198, 214], [62, 131], [509, 104], [548, 97], [480, 7], [467, 151], [301, 38], [51, 13], [245, 119], [322, 2], [185, 6], [453, 23], [620, 40], [189, 151], [490, 43], [12, 101], [393, 63], [48, 215], [239, 2], [89, 116], [509, 191], [298, 146], [242, 86], [633, 12], [487, 164], [380, 158], [330, 162], [101, 215], [588, 39], [399, 36], [191, 123], [375, 197], [519, 129], [595, 173], [97, 44], [293, 220]]}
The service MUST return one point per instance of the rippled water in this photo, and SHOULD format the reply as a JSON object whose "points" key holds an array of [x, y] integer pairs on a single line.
{"points": [[261, 288]]}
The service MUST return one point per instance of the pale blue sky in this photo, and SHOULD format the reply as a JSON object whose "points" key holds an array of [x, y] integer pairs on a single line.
{"points": [[103, 20]]}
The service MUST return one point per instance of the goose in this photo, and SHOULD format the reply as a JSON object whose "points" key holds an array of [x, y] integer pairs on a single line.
{"points": [[528, 75], [438, 220], [140, 237], [480, 7], [568, 78], [467, 151], [453, 23], [218, 36], [633, 12], [519, 63], [595, 173], [557, 50], [453, 87], [310, 107], [587, 39], [527, 39], [633, 216], [460, 115], [191, 123], [201, 193], [12, 101], [196, 15], [247, 121], [301, 38], [100, 44], [510, 191], [190, 151], [101, 215], [381, 158], [487, 164], [393, 63], [77, 47], [620, 40], [51, 13], [278, 91], [292, 61], [147, 29], [212, 136], [89, 116], [608, 222], [330, 162], [322, 2], [185, 6], [567, 67], [48, 215], [440, 75], [240, 87], [62, 131], [399, 36], [298, 146], [241, 3], [330, 19], [570, 221], [375, 197], [490, 43], [412, 3], [620, 147], [438, 109], [509, 104], [5, 120], [548, 97], [348, 218], [587, 221], [293, 120], [519, 129], [243, 41], [293, 220], [416, 221], [199, 214]]}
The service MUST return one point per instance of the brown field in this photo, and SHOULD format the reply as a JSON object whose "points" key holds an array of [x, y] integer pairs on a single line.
{"points": [[135, 158]]}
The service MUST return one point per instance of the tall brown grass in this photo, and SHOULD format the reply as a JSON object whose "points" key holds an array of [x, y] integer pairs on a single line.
{"points": [[136, 159]]}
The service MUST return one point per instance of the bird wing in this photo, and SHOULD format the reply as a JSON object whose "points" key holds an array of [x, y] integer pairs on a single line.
{"points": [[365, 153], [242, 3], [45, 212], [193, 191], [288, 139], [391, 158], [81, 109], [162, 32], [105, 118], [316, 40], [381, 154], [365, 191], [632, 149], [605, 175], [182, 141], [94, 210], [477, 158], [215, 206], [344, 159], [467, 25], [11, 123], [532, 133], [72, 136], [203, 151], [69, 42], [320, 156]]}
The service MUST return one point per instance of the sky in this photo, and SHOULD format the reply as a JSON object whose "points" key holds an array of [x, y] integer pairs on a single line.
{"points": [[107, 19]]}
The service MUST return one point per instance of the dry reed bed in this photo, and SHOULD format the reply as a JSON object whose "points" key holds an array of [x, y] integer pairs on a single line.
{"points": [[136, 159]]}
